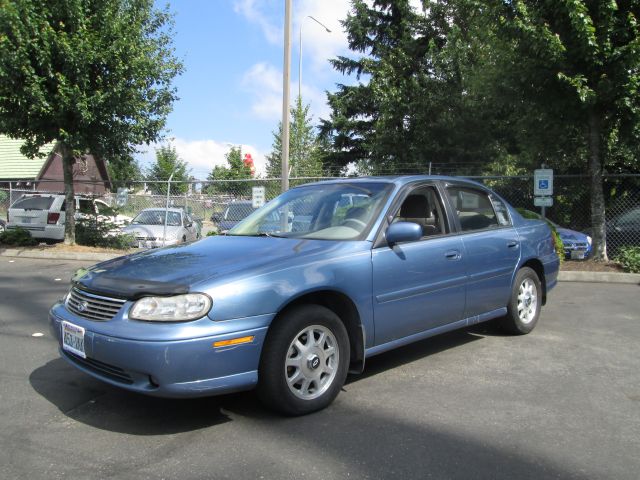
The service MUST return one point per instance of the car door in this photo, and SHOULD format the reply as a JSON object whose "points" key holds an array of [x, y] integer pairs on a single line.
{"points": [[418, 286], [491, 247]]}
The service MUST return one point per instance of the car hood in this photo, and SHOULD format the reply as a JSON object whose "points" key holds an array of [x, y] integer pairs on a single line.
{"points": [[566, 234], [175, 270]]}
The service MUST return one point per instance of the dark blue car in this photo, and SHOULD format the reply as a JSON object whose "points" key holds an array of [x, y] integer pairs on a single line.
{"points": [[290, 305], [232, 214]]}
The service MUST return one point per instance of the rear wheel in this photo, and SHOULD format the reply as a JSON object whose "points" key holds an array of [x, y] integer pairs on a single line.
{"points": [[304, 362], [523, 310]]}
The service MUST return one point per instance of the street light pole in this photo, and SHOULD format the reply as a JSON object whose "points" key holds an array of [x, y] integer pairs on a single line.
{"points": [[300, 51], [299, 133], [286, 74]]}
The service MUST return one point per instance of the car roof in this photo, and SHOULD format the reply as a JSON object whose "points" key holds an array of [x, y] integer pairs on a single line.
{"points": [[400, 180], [160, 209]]}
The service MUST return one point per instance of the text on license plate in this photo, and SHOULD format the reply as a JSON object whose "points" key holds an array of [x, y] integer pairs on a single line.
{"points": [[73, 339]]}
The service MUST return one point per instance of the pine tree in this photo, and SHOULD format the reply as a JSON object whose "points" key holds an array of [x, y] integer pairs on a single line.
{"points": [[305, 155]]}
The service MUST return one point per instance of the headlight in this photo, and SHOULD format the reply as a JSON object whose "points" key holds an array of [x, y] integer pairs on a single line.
{"points": [[589, 240], [179, 308]]}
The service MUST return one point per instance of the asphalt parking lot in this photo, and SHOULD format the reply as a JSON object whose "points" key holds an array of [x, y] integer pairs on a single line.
{"points": [[562, 402]]}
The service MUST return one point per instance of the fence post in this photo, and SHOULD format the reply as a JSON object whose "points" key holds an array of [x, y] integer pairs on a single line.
{"points": [[166, 210]]}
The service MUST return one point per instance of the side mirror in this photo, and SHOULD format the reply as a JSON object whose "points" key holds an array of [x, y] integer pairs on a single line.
{"points": [[403, 232]]}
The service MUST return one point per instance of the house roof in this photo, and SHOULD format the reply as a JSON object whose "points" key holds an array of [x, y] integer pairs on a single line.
{"points": [[14, 165]]}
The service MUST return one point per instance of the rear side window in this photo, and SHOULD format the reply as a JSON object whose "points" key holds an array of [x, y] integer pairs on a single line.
{"points": [[34, 203], [473, 208], [501, 211]]}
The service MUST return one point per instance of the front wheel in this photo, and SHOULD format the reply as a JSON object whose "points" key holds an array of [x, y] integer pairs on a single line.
{"points": [[523, 310], [304, 362]]}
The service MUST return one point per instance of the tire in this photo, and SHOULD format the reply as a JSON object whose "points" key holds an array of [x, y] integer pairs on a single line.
{"points": [[304, 361], [524, 306]]}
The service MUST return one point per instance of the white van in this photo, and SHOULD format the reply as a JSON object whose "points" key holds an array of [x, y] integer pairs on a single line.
{"points": [[43, 215]]}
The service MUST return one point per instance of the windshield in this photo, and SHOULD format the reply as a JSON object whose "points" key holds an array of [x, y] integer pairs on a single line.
{"points": [[332, 211], [629, 218], [156, 217]]}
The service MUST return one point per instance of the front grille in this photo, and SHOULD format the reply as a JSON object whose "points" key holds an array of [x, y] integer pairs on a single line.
{"points": [[92, 306], [103, 369]]}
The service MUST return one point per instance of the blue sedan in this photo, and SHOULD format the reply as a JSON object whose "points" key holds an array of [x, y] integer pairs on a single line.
{"points": [[291, 305]]}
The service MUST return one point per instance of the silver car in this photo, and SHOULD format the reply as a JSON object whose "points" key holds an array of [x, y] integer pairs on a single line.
{"points": [[149, 230]]}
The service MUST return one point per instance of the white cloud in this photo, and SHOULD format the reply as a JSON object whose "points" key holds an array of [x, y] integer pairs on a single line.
{"points": [[255, 12], [264, 82], [202, 155], [318, 45]]}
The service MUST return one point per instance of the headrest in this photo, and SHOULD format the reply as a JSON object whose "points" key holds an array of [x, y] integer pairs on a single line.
{"points": [[415, 206]]}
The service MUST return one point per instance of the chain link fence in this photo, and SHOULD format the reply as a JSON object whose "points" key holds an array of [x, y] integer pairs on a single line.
{"points": [[216, 205]]}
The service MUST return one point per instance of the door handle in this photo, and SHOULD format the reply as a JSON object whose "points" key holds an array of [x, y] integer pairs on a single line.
{"points": [[513, 244], [452, 254]]}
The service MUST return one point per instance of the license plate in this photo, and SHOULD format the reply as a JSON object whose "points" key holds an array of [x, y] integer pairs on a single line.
{"points": [[577, 254], [73, 339], [26, 219]]}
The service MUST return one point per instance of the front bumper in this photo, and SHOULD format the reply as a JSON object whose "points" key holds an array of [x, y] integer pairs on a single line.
{"points": [[178, 368], [157, 243]]}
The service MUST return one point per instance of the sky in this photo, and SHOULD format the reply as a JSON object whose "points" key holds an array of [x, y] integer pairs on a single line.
{"points": [[231, 90]]}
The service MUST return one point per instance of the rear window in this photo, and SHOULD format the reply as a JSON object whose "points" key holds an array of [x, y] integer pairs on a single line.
{"points": [[34, 203]]}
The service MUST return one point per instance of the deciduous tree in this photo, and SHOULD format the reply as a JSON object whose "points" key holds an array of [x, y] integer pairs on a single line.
{"points": [[168, 165], [94, 75]]}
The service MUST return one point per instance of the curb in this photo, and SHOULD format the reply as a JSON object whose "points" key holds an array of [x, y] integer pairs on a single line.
{"points": [[563, 276], [599, 277], [44, 254]]}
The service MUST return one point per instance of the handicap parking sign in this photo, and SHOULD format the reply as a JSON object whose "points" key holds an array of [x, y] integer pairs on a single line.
{"points": [[543, 182]]}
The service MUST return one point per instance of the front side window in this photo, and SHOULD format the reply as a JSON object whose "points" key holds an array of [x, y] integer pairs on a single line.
{"points": [[422, 206], [331, 211], [473, 209]]}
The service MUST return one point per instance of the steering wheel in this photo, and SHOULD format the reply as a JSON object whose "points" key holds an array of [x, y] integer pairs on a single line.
{"points": [[359, 224]]}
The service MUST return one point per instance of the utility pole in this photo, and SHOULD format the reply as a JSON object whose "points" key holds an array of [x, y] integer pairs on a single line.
{"points": [[286, 74]]}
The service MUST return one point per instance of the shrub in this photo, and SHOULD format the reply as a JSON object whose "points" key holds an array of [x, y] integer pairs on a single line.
{"points": [[92, 233], [18, 237], [629, 258], [529, 215], [212, 233]]}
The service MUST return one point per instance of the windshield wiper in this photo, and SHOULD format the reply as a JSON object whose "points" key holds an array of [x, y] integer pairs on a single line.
{"points": [[261, 234]]}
